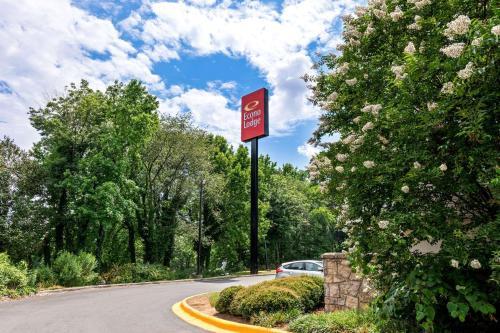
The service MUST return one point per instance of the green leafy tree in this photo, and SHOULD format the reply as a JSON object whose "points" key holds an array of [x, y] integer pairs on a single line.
{"points": [[89, 141], [414, 96]]}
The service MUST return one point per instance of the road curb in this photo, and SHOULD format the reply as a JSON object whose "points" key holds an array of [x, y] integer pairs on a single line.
{"points": [[116, 285], [213, 324]]}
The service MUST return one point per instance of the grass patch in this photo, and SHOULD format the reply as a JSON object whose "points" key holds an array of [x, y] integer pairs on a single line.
{"points": [[347, 321]]}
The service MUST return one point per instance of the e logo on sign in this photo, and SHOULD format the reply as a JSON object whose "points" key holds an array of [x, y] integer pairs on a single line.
{"points": [[252, 105]]}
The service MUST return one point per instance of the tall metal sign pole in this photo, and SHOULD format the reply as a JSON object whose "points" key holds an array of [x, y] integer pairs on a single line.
{"points": [[254, 125]]}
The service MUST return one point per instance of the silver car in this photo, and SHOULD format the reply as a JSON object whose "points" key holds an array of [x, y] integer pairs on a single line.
{"points": [[301, 267]]}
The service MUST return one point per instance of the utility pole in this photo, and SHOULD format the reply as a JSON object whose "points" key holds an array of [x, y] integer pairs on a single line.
{"points": [[200, 224]]}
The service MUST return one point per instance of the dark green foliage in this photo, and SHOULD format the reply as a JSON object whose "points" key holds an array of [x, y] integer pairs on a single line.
{"points": [[347, 321], [226, 297], [138, 273], [45, 277], [75, 270]]}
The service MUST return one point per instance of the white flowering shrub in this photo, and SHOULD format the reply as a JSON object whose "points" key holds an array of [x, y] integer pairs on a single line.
{"points": [[415, 174]]}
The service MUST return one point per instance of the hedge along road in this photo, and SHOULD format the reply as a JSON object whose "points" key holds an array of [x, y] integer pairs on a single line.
{"points": [[138, 308]]}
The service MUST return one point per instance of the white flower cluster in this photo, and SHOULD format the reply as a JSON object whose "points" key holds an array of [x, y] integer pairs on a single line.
{"points": [[421, 3], [383, 140], [399, 71], [369, 29], [383, 224], [341, 187], [342, 69], [454, 263], [333, 97], [475, 264], [477, 41], [368, 164], [349, 139], [351, 82], [379, 8], [443, 167], [372, 108], [457, 27], [453, 50], [416, 25], [339, 169], [410, 48], [417, 165], [431, 106], [467, 72], [397, 14], [360, 11], [341, 157], [405, 189], [368, 126], [448, 88], [496, 30], [356, 120], [318, 164]]}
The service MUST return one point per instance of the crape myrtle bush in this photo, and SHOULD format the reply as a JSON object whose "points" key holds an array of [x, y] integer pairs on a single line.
{"points": [[300, 293], [414, 96]]}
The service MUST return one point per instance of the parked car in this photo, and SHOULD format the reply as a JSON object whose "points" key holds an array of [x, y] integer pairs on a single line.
{"points": [[301, 267]]}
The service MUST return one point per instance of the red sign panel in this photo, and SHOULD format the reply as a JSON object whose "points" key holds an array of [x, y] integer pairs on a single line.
{"points": [[254, 115]]}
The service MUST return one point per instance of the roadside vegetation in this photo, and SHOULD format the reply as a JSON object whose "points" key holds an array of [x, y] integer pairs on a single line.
{"points": [[110, 194]]}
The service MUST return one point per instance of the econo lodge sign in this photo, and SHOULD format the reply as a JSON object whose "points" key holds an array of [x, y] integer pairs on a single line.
{"points": [[254, 115]]}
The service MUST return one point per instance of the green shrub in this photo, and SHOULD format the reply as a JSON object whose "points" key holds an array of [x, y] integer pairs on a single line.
{"points": [[45, 277], [302, 293], [75, 270], [275, 319], [226, 297], [348, 321], [310, 289], [213, 298], [14, 280], [88, 263], [129, 273], [251, 301]]}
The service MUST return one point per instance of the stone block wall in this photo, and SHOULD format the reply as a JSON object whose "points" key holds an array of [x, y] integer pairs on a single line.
{"points": [[344, 289]]}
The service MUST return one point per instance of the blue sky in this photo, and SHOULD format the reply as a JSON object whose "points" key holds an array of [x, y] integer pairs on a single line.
{"points": [[197, 56]]}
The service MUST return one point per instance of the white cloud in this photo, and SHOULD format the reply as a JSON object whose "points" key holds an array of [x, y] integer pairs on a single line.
{"points": [[45, 45], [308, 150], [209, 110], [275, 42]]}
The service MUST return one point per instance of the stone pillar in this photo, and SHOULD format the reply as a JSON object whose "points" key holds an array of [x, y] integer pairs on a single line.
{"points": [[344, 289]]}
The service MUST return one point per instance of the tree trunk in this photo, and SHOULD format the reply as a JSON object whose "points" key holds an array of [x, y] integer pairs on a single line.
{"points": [[46, 249], [131, 241], [60, 220], [100, 242]]}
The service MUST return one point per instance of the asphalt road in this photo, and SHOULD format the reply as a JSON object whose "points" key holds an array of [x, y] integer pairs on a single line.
{"points": [[145, 308]]}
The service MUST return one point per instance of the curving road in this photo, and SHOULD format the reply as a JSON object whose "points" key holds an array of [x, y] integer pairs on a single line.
{"points": [[144, 308]]}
